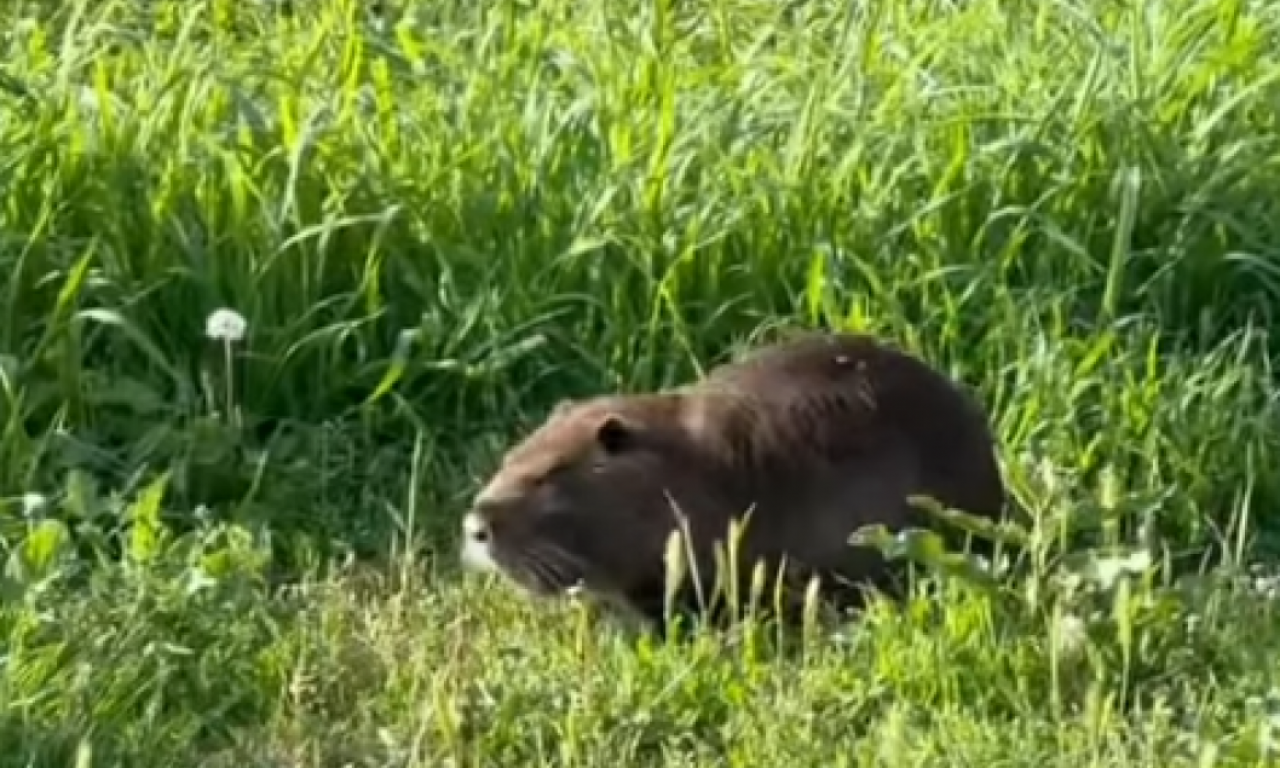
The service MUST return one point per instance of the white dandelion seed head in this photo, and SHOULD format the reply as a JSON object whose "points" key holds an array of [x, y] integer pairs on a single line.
{"points": [[226, 325]]}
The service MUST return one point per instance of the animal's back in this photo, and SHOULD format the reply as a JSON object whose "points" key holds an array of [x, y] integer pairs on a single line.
{"points": [[843, 398]]}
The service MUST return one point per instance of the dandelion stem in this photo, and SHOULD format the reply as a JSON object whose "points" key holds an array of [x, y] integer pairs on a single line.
{"points": [[233, 413]]}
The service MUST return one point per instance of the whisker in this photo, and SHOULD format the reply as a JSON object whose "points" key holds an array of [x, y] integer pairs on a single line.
{"points": [[516, 566], [541, 565], [527, 572], [563, 556], [544, 573], [541, 573], [566, 566]]}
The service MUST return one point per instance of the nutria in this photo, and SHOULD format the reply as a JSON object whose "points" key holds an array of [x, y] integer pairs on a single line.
{"points": [[816, 436]]}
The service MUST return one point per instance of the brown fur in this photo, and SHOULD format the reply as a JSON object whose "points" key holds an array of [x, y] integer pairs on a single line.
{"points": [[817, 436]]}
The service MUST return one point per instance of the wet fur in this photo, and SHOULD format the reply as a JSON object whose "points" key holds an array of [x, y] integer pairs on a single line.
{"points": [[817, 436]]}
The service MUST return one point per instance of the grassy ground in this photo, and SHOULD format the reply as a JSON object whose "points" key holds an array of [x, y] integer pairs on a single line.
{"points": [[436, 226]]}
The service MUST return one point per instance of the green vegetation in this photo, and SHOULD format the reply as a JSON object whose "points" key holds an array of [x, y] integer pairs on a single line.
{"points": [[239, 554]]}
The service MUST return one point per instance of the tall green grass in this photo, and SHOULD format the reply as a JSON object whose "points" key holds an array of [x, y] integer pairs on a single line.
{"points": [[439, 221]]}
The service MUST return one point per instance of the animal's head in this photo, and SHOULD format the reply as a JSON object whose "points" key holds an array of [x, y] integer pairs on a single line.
{"points": [[582, 500]]}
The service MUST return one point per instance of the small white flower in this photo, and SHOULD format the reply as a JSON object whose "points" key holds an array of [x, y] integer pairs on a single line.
{"points": [[1266, 587], [1048, 474], [198, 580], [88, 99], [226, 325], [32, 503], [1071, 635]]}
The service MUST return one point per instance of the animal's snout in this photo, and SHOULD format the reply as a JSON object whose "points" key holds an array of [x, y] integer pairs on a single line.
{"points": [[477, 542], [476, 528]]}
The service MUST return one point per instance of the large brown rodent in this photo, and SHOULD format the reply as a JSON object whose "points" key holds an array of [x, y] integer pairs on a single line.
{"points": [[816, 437]]}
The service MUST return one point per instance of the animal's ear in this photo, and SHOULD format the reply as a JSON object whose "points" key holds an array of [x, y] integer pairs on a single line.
{"points": [[614, 434]]}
